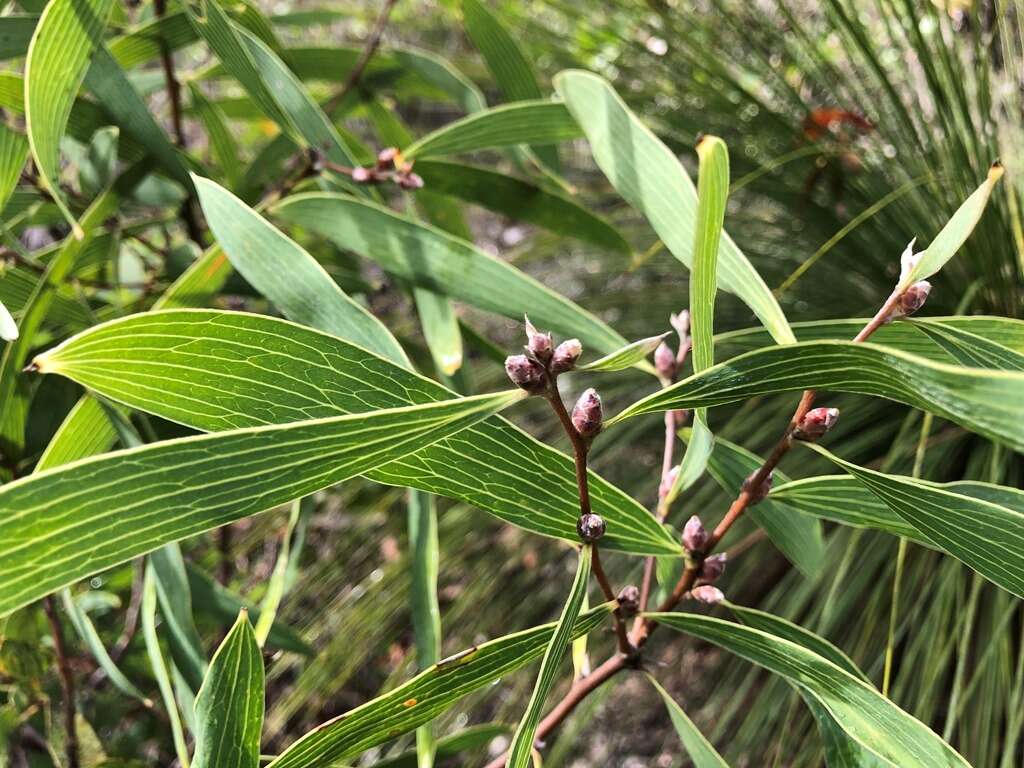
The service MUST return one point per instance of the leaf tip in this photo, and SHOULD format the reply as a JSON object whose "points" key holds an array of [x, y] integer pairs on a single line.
{"points": [[995, 172]]}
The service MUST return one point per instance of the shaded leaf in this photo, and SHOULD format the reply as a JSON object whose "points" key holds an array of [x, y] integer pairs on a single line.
{"points": [[698, 748], [626, 357]]}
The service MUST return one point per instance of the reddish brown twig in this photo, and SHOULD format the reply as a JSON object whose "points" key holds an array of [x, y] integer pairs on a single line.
{"points": [[369, 48]]}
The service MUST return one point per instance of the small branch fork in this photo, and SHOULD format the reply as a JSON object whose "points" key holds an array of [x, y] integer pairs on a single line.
{"points": [[644, 627]]}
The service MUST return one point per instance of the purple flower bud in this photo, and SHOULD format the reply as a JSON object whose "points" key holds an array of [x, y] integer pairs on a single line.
{"points": [[816, 423], [712, 568], [386, 158], [695, 537], [629, 601], [707, 594], [757, 495], [590, 527], [914, 298], [565, 356], [586, 414], [665, 361], [539, 344], [409, 180], [361, 175], [525, 373]]}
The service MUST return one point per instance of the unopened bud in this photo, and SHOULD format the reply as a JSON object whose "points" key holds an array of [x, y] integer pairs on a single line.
{"points": [[695, 537], [665, 361], [914, 297], [707, 594], [667, 481], [909, 260], [409, 180], [386, 158], [681, 416], [816, 423], [587, 414], [712, 568], [590, 527], [565, 356], [757, 495], [361, 175], [629, 601], [681, 322], [539, 344], [525, 373]]}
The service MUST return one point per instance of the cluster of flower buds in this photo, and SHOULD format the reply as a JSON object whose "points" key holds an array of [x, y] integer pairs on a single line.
{"points": [[590, 527], [815, 424], [587, 414], [542, 361], [390, 166], [629, 601], [707, 594], [760, 493], [914, 297]]}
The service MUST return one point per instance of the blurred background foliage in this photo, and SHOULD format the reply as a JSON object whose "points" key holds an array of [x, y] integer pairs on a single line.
{"points": [[853, 126]]}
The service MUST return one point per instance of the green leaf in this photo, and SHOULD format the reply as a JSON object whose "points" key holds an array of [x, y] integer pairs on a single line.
{"points": [[222, 142], [426, 614], [427, 695], [650, 178], [864, 714], [970, 349], [511, 69], [229, 707], [983, 535], [219, 370], [190, 485], [798, 537], [440, 329], [520, 200], [521, 750], [990, 403], [524, 122], [309, 296], [68, 33], [441, 74], [176, 606], [625, 357], [16, 32], [276, 585], [448, 747], [955, 233], [13, 151], [433, 259], [698, 748], [147, 618], [712, 195]]}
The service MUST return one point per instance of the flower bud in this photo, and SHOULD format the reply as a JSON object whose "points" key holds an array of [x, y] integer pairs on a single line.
{"points": [[681, 322], [386, 158], [590, 527], [667, 481], [409, 180], [361, 175], [712, 567], [757, 495], [565, 356], [665, 361], [695, 537], [539, 344], [815, 423], [525, 373], [707, 594], [629, 601], [681, 416], [586, 414], [909, 260], [914, 297]]}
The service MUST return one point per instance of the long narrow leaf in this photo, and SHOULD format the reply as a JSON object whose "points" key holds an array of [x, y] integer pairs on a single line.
{"points": [[698, 748]]}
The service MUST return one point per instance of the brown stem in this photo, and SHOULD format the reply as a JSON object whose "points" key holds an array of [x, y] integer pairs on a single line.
{"points": [[609, 594], [370, 47], [580, 447], [67, 682]]}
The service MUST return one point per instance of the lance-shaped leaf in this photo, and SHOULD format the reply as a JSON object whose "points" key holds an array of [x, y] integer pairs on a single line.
{"points": [[309, 296], [448, 747], [626, 357], [712, 194], [426, 695], [698, 748], [433, 259], [955, 233], [13, 151], [123, 504], [520, 200], [229, 707], [988, 402], [970, 349], [58, 58], [426, 613], [984, 535], [650, 178], [521, 751], [219, 370], [524, 122], [862, 712]]}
